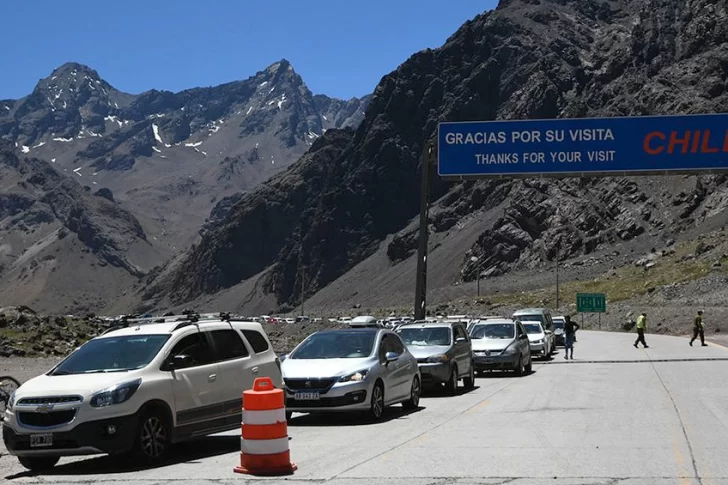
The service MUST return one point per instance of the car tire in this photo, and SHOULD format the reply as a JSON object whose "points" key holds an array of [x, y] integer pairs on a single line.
{"points": [[469, 382], [518, 370], [153, 437], [38, 463], [376, 406], [452, 384], [529, 367], [415, 391]]}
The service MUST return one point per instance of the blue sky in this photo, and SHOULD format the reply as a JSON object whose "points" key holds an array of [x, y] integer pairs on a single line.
{"points": [[341, 48]]}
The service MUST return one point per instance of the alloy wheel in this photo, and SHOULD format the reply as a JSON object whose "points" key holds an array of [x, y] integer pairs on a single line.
{"points": [[377, 401], [153, 439]]}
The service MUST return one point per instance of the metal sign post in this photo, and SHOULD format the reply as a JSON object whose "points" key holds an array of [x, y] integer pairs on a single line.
{"points": [[577, 147], [591, 303], [421, 280]]}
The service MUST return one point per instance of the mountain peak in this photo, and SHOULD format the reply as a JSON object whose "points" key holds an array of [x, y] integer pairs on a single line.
{"points": [[280, 67]]}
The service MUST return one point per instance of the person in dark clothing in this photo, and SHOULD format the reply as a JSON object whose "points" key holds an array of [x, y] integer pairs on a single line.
{"points": [[570, 329], [698, 329]]}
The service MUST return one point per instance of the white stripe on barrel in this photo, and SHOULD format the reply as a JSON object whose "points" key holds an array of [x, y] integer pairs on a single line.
{"points": [[264, 447], [264, 417]]}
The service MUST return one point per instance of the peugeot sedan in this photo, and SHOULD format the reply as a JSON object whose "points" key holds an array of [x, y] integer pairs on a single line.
{"points": [[351, 369]]}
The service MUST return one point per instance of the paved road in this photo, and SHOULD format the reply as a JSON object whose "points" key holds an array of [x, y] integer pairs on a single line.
{"points": [[615, 415]]}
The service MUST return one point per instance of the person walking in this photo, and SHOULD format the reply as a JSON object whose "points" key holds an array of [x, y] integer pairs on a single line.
{"points": [[641, 327], [698, 329], [570, 329]]}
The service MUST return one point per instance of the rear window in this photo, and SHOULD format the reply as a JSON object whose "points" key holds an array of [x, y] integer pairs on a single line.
{"points": [[256, 340], [537, 317], [229, 345]]}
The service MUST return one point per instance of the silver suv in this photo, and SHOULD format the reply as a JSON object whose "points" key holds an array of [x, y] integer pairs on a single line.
{"points": [[443, 351]]}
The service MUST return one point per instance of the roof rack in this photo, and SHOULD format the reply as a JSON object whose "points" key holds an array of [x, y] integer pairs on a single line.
{"points": [[185, 319]]}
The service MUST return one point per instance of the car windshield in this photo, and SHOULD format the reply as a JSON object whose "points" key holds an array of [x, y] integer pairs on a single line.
{"points": [[532, 318], [423, 337], [336, 345], [493, 330], [532, 328], [558, 323], [112, 354]]}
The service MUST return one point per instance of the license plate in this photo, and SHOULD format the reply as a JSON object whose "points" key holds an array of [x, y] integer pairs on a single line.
{"points": [[488, 360], [306, 396], [41, 440]]}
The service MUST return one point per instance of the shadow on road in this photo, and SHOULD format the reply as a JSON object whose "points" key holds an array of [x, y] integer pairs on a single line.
{"points": [[439, 392], [189, 452], [349, 419], [503, 374]]}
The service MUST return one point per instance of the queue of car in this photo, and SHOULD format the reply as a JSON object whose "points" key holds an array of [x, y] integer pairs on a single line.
{"points": [[148, 383]]}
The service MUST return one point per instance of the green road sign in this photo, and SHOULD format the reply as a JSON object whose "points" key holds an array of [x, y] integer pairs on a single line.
{"points": [[591, 302]]}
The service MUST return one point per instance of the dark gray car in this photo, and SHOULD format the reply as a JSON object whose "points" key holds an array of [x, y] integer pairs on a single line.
{"points": [[501, 344], [443, 351]]}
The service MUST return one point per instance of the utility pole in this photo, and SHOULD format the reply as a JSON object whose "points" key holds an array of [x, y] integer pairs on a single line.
{"points": [[474, 259], [557, 280], [421, 279], [303, 290]]}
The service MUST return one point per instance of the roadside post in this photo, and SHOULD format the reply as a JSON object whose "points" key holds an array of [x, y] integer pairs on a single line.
{"points": [[562, 147]]}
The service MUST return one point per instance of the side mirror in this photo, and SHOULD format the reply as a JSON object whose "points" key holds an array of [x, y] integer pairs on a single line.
{"points": [[283, 357], [180, 362], [391, 356]]}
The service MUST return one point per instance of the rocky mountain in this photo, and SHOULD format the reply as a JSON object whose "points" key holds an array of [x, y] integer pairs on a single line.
{"points": [[64, 246], [170, 157], [341, 223]]}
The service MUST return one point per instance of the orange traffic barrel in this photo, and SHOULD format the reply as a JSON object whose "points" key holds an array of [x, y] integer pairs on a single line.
{"points": [[264, 443]]}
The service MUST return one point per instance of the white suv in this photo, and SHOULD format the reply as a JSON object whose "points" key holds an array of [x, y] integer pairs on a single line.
{"points": [[138, 389]]}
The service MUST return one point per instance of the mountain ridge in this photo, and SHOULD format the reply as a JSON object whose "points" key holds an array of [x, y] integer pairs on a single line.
{"points": [[171, 160], [526, 59]]}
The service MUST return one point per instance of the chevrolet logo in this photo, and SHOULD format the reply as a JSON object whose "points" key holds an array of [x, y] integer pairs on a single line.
{"points": [[44, 408]]}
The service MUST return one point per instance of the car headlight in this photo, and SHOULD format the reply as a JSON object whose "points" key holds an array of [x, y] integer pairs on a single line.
{"points": [[539, 341], [511, 350], [11, 402], [355, 377], [115, 395], [436, 359]]}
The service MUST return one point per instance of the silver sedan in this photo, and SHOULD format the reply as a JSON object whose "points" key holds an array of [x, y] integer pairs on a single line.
{"points": [[354, 369]]}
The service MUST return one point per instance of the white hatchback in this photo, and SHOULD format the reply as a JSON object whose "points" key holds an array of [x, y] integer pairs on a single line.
{"points": [[138, 389]]}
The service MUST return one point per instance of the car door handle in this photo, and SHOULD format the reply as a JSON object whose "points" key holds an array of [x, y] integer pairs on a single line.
{"points": [[212, 378], [254, 370]]}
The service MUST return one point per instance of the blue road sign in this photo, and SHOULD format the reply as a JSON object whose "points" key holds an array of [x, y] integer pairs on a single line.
{"points": [[584, 146]]}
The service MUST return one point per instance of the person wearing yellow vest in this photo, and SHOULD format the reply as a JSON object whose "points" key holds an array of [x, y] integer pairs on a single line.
{"points": [[641, 327], [699, 329]]}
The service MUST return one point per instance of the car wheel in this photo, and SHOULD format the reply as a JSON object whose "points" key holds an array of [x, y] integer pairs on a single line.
{"points": [[153, 440], [470, 380], [38, 463], [452, 383], [376, 408], [519, 367], [529, 367], [415, 392]]}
